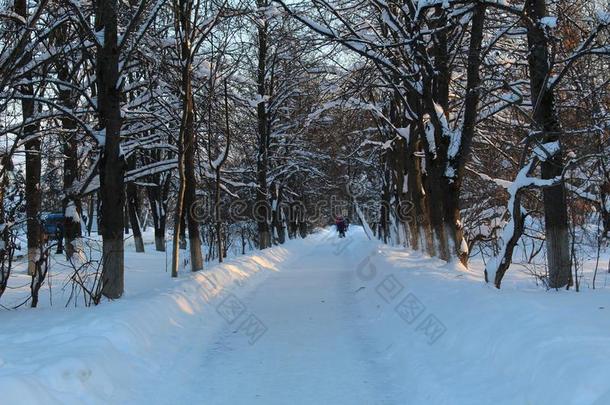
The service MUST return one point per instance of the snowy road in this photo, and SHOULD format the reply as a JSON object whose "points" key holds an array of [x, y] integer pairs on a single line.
{"points": [[353, 322], [315, 321], [313, 349]]}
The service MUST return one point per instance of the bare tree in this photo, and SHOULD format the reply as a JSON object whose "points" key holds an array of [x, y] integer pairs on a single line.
{"points": [[112, 165]]}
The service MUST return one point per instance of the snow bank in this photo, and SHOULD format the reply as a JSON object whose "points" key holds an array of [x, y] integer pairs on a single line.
{"points": [[448, 338], [111, 353]]}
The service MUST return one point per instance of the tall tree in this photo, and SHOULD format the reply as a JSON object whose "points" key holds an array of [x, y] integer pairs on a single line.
{"points": [[112, 165], [457, 158], [67, 98], [191, 31], [262, 208], [30, 134], [547, 122]]}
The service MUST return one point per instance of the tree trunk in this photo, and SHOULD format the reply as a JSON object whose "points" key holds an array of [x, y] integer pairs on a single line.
{"points": [[457, 164], [277, 215], [133, 210], [5, 248], [419, 215], [32, 191], [399, 155], [157, 198], [91, 212], [435, 168], [72, 203], [222, 243], [134, 220], [182, 244], [98, 209], [178, 218], [262, 209], [32, 163], [160, 235], [505, 260], [439, 91], [384, 220], [217, 216], [191, 195], [188, 180], [125, 220], [546, 119], [512, 231], [112, 191]]}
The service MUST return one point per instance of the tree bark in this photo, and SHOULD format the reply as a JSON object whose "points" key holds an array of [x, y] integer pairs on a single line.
{"points": [[72, 203], [190, 191], [419, 215], [518, 224], [112, 190], [133, 207], [546, 119], [277, 215], [178, 217], [188, 182], [91, 211], [182, 234], [133, 210], [5, 248], [262, 209], [222, 246], [217, 216], [457, 164], [32, 189], [72, 223], [399, 171], [32, 162], [384, 220], [435, 168], [157, 198]]}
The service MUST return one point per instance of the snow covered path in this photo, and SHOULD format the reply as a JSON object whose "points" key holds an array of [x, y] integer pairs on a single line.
{"points": [[311, 351], [316, 321], [353, 322]]}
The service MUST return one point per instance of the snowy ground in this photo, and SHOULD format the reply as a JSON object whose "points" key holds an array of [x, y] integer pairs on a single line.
{"points": [[316, 321]]}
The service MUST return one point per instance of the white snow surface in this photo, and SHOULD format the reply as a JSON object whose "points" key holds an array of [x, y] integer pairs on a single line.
{"points": [[72, 212], [342, 321], [550, 21]]}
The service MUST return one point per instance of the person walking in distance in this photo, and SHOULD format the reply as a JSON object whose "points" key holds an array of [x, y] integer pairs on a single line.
{"points": [[341, 225]]}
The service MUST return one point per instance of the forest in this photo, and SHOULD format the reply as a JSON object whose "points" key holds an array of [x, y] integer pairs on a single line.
{"points": [[196, 132], [171, 173], [460, 127]]}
